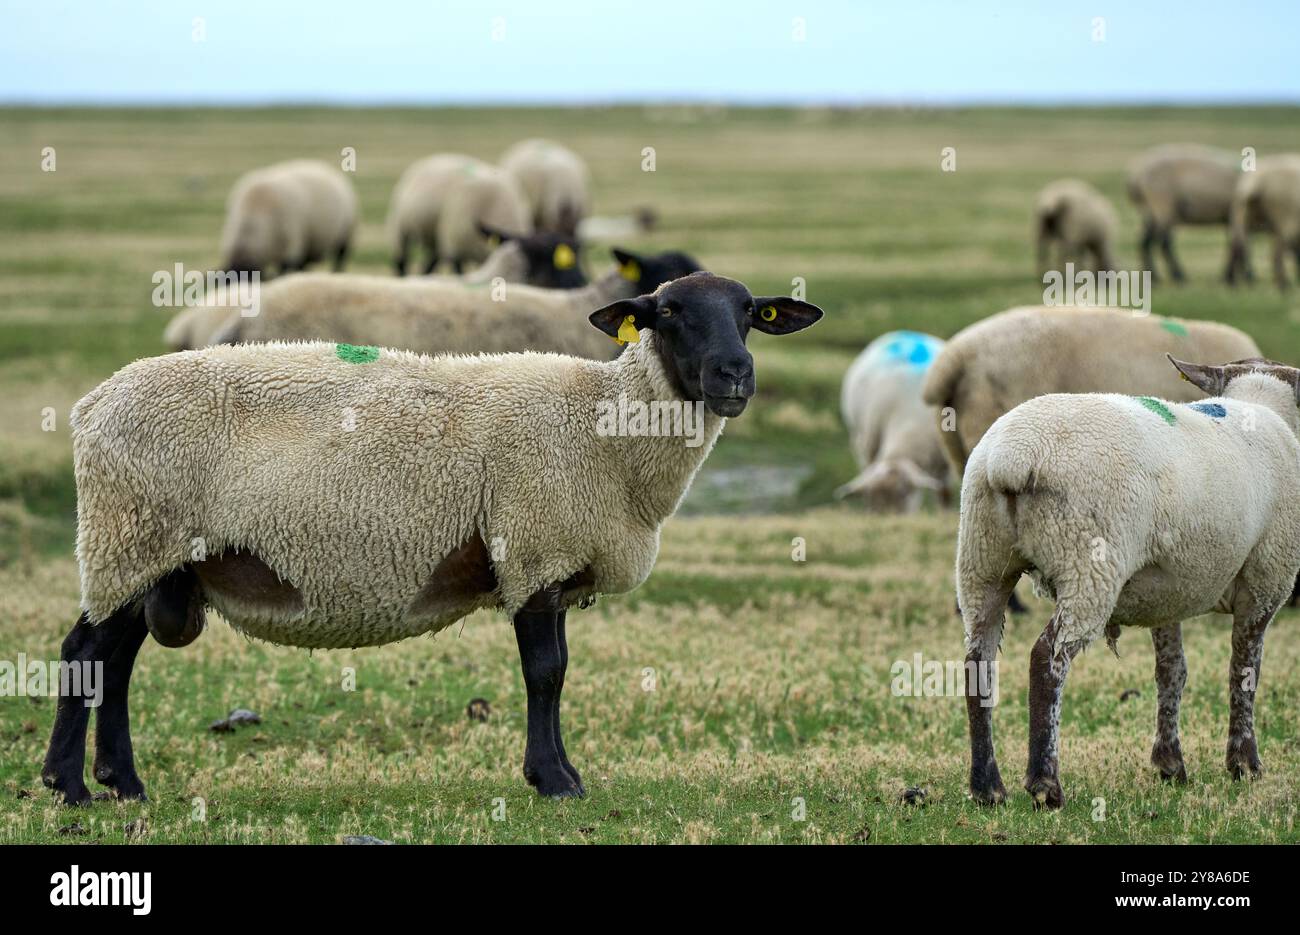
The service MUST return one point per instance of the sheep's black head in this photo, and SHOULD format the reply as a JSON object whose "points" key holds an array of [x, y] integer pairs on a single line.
{"points": [[701, 322], [551, 260], [1213, 381], [648, 273]]}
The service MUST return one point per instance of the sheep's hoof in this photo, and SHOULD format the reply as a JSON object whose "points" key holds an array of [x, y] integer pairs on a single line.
{"points": [[991, 795], [554, 782], [1243, 760], [1046, 792], [127, 787], [1169, 761], [71, 792]]}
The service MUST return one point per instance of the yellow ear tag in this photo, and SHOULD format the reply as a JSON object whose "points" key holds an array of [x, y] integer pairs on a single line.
{"points": [[627, 333], [563, 257], [768, 313], [493, 242], [631, 270]]}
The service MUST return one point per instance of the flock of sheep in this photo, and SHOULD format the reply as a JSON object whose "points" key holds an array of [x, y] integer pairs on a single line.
{"points": [[1176, 185], [368, 458]]}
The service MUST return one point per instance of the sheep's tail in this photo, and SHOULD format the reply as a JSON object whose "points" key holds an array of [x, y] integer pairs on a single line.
{"points": [[940, 391]]}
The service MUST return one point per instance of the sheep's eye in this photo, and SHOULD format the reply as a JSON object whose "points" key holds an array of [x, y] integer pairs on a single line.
{"points": [[666, 312]]}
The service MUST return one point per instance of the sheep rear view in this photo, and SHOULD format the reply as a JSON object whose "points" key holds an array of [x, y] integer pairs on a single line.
{"points": [[555, 181], [331, 495], [1130, 511], [287, 216], [1267, 199]]}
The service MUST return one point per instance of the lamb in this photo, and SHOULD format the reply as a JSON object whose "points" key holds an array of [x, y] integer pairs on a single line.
{"points": [[555, 182], [288, 216], [891, 430], [996, 364], [433, 316], [1181, 183], [1131, 511], [1081, 223], [1266, 199], [441, 204], [551, 261], [327, 495]]}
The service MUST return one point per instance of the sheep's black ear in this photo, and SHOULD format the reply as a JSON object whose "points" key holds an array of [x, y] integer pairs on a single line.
{"points": [[613, 317], [1209, 380], [780, 314]]}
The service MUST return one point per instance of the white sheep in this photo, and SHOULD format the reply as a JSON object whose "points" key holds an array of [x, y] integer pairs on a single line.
{"points": [[1180, 183], [1267, 199], [441, 316], [618, 228], [994, 365], [326, 495], [554, 180], [1131, 511], [1081, 223], [287, 216], [891, 430], [442, 203]]}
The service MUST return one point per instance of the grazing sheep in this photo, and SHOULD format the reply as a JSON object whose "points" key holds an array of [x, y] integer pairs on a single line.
{"points": [[438, 316], [288, 216], [1131, 511], [1267, 199], [996, 364], [1081, 223], [1181, 183], [554, 180], [442, 204], [891, 430], [550, 261], [325, 495]]}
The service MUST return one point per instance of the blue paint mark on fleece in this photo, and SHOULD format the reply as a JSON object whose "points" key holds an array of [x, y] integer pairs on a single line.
{"points": [[1213, 410], [910, 348]]}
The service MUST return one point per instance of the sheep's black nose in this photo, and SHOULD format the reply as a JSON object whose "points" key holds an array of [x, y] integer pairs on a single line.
{"points": [[736, 371]]}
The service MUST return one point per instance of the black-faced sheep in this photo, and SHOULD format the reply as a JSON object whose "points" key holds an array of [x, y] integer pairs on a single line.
{"points": [[1079, 221]]}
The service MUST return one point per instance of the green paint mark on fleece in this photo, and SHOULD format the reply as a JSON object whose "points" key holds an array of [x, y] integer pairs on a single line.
{"points": [[1157, 407], [1174, 327], [353, 354]]}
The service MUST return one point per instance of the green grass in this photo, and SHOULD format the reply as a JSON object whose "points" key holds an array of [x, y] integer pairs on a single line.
{"points": [[771, 677]]}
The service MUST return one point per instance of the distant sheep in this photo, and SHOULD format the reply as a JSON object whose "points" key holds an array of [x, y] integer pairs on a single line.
{"points": [[618, 228], [555, 180], [891, 430], [442, 316], [286, 217], [1267, 199], [441, 205], [994, 365], [1079, 221], [1180, 184], [1131, 511], [353, 496]]}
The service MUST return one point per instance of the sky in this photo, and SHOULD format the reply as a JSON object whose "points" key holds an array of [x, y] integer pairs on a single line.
{"points": [[585, 51]]}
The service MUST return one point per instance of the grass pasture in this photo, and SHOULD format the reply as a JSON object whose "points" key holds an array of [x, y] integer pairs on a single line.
{"points": [[739, 695]]}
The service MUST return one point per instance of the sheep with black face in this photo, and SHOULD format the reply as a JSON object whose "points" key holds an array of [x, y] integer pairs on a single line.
{"points": [[247, 448]]}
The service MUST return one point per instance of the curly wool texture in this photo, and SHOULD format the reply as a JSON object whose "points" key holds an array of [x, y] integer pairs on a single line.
{"points": [[554, 180], [996, 364], [353, 480], [290, 213], [1127, 517], [1183, 183], [880, 403], [431, 315]]}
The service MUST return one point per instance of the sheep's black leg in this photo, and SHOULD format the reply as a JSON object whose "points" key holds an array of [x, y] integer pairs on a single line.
{"points": [[432, 263], [1248, 626], [402, 255], [983, 636], [1279, 264], [458, 266], [114, 761], [1149, 238], [536, 632], [563, 642], [341, 256], [1171, 675], [1047, 671], [1167, 247], [65, 759]]}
